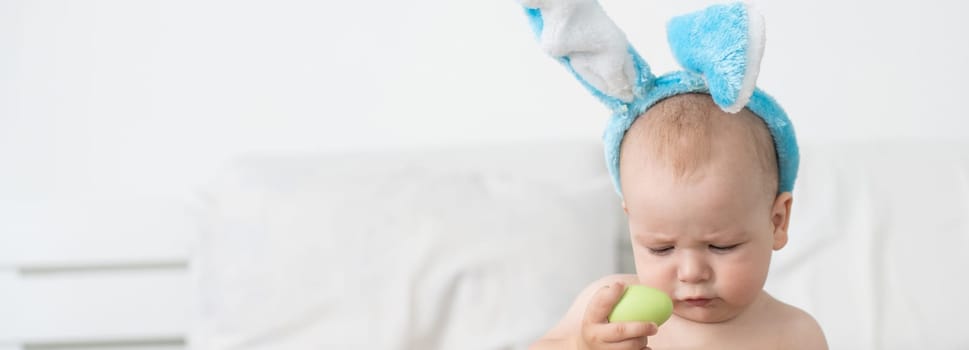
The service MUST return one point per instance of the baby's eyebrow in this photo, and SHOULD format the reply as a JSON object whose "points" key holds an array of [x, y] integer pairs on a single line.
{"points": [[653, 238], [725, 235]]}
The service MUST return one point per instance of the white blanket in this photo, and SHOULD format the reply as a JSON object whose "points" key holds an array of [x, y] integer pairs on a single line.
{"points": [[463, 249]]}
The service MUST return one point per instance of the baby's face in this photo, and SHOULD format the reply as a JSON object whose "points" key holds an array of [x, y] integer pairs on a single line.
{"points": [[707, 241]]}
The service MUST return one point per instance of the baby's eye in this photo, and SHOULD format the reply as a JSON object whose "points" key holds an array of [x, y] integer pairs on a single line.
{"points": [[661, 251], [723, 249]]}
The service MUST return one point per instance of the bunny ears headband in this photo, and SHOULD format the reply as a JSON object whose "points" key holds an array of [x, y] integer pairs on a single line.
{"points": [[720, 48]]}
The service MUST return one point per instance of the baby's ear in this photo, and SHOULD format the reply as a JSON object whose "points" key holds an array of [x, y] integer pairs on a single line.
{"points": [[781, 217], [725, 44]]}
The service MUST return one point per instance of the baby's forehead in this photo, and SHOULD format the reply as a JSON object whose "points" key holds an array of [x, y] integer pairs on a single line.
{"points": [[673, 216], [711, 189]]}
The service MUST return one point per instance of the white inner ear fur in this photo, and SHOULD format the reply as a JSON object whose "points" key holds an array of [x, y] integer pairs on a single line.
{"points": [[596, 47], [756, 39]]}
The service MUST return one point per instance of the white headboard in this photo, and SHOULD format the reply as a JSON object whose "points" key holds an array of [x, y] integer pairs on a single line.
{"points": [[93, 273]]}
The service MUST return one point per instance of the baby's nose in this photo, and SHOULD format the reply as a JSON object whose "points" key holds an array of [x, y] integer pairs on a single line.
{"points": [[692, 268]]}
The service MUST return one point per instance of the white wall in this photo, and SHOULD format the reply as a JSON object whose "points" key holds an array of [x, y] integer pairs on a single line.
{"points": [[147, 96], [105, 103]]}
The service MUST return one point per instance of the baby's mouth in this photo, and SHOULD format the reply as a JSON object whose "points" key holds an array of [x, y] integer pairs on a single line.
{"points": [[697, 302]]}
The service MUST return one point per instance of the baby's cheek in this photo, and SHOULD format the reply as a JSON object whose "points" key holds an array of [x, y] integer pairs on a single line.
{"points": [[740, 284], [656, 274]]}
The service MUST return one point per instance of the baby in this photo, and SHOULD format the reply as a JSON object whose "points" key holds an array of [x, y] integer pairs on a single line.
{"points": [[700, 191]]}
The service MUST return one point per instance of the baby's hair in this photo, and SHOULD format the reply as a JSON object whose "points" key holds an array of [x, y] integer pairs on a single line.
{"points": [[678, 131]]}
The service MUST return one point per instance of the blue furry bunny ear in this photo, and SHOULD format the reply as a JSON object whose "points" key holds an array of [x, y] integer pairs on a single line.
{"points": [[725, 44], [720, 48], [580, 35]]}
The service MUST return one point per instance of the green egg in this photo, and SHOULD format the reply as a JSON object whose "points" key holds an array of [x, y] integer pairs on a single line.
{"points": [[642, 304]]}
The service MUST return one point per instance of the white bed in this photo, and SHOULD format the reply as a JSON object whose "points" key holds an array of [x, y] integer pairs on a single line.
{"points": [[484, 247]]}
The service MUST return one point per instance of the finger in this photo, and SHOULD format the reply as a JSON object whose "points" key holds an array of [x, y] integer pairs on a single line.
{"points": [[630, 344], [623, 331], [602, 302], [651, 330]]}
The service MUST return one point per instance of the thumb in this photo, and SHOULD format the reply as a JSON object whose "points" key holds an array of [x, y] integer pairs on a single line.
{"points": [[602, 302]]}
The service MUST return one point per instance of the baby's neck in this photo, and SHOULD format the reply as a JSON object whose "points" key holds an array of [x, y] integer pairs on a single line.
{"points": [[737, 330]]}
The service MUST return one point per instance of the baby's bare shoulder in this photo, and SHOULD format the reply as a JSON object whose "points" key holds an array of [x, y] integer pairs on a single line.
{"points": [[798, 329]]}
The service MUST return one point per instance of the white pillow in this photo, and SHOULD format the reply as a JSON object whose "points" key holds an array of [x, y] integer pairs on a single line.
{"points": [[461, 249]]}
